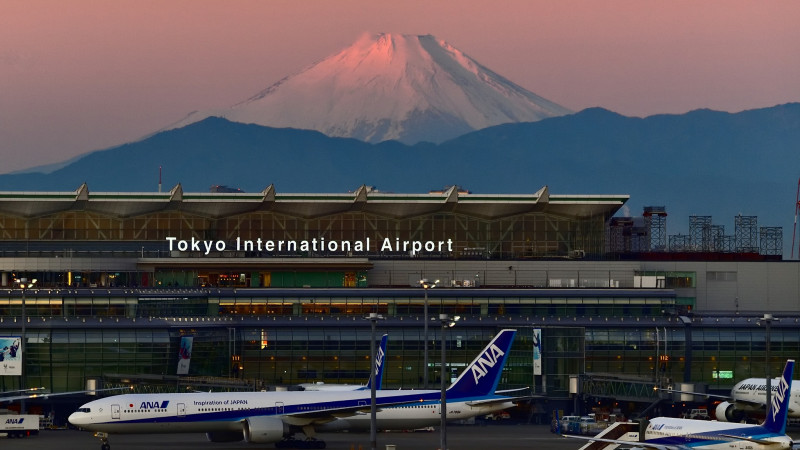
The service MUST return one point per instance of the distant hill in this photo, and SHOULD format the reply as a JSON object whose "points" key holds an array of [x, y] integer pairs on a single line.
{"points": [[703, 162]]}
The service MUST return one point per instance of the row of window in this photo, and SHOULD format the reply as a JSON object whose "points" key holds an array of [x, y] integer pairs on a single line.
{"points": [[534, 231], [194, 307]]}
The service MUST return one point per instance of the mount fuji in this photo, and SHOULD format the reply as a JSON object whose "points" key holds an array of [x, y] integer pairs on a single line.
{"points": [[391, 87]]}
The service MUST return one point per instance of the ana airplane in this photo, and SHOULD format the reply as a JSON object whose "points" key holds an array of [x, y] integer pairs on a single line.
{"points": [[667, 433], [748, 396], [428, 413], [379, 358], [418, 415], [267, 417]]}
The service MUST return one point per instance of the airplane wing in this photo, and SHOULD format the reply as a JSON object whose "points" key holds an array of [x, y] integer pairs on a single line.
{"points": [[489, 401], [14, 391], [57, 394], [629, 444], [508, 391], [327, 415], [749, 439]]}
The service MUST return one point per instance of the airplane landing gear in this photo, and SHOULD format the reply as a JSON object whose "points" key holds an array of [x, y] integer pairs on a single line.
{"points": [[104, 444], [299, 443], [310, 441]]}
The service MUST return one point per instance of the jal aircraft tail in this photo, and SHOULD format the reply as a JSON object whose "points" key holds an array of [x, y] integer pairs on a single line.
{"points": [[380, 356], [778, 409], [482, 375]]}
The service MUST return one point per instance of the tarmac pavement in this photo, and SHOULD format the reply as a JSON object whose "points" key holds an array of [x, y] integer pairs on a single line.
{"points": [[472, 437]]}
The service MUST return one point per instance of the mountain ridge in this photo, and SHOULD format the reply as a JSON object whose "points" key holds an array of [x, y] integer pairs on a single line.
{"points": [[700, 163]]}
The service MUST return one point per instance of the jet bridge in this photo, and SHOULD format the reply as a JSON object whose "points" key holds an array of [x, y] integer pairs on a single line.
{"points": [[619, 388]]}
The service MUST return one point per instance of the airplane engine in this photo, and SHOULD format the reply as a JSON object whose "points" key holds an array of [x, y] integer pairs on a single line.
{"points": [[225, 436], [264, 430], [727, 412]]}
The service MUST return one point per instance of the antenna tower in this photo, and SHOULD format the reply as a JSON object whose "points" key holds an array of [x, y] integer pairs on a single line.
{"points": [[796, 209]]}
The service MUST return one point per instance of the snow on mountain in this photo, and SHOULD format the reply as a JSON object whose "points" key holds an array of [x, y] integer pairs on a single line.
{"points": [[391, 86]]}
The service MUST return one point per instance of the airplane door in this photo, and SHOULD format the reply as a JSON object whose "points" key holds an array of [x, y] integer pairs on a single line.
{"points": [[115, 411], [278, 407], [181, 409]]}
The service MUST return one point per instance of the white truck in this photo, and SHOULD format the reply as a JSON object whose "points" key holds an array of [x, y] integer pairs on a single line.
{"points": [[19, 425]]}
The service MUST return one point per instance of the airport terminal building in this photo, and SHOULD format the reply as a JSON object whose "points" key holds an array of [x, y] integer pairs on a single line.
{"points": [[273, 288]]}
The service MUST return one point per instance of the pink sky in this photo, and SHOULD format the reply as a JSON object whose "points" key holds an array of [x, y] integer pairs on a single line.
{"points": [[84, 75]]}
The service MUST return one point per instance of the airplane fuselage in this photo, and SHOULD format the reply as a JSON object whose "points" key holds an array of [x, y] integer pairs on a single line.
{"points": [[221, 411], [704, 434], [751, 395], [208, 412]]}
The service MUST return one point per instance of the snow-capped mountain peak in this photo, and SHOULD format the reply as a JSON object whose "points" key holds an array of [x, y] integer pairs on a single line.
{"points": [[391, 86]]}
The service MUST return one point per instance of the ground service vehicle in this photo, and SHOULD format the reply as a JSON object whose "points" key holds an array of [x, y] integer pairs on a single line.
{"points": [[19, 425]]}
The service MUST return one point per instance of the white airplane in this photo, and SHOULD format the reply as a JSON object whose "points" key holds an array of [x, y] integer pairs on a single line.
{"points": [[379, 357], [667, 433], [406, 417], [267, 417], [748, 396]]}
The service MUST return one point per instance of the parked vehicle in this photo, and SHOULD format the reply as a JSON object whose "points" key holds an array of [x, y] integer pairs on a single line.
{"points": [[589, 426], [499, 415], [19, 425], [698, 414]]}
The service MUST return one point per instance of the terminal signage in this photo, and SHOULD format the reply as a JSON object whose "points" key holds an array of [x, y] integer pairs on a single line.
{"points": [[11, 355], [185, 355], [319, 244]]}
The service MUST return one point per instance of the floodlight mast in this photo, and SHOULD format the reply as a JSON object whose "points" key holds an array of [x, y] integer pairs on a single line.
{"points": [[425, 286], [447, 322], [24, 285], [373, 410]]}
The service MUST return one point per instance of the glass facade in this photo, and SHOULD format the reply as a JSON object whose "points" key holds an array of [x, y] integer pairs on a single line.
{"points": [[662, 352], [64, 359]]}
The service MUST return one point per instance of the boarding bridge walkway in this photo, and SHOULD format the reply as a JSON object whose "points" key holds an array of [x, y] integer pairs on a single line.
{"points": [[620, 388]]}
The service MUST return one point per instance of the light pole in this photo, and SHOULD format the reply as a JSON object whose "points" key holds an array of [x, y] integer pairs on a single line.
{"points": [[446, 323], [23, 284], [767, 319], [425, 286], [373, 410]]}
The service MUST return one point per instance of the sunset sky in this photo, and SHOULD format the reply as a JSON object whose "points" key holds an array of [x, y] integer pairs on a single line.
{"points": [[82, 75]]}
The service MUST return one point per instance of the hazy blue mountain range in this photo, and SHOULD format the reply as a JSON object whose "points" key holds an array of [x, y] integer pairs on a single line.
{"points": [[702, 162]]}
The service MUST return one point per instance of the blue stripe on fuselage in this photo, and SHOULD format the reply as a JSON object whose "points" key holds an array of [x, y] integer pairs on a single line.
{"points": [[714, 437]]}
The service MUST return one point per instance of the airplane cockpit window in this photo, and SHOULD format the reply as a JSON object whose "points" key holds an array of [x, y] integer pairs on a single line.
{"points": [[84, 410]]}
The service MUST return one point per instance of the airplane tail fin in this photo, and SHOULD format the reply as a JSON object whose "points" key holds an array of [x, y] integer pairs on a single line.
{"points": [[379, 359], [778, 409], [482, 375]]}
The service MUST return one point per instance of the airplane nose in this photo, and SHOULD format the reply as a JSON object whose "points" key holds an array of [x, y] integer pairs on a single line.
{"points": [[76, 418]]}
